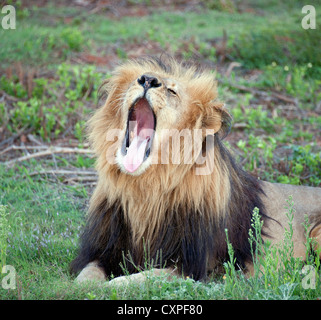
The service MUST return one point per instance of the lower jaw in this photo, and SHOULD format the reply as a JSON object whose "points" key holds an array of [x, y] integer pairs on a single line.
{"points": [[140, 170], [144, 157]]}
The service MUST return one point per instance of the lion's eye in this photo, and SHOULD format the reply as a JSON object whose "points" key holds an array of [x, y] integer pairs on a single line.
{"points": [[172, 91]]}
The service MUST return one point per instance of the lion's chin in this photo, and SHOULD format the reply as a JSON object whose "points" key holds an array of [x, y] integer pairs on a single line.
{"points": [[140, 170]]}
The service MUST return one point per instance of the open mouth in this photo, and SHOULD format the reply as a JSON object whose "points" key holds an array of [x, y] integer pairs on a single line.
{"points": [[141, 125]]}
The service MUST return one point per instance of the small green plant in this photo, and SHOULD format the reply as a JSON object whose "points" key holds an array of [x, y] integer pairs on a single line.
{"points": [[13, 87], [231, 277], [257, 150], [79, 130], [73, 38], [91, 296], [253, 118], [256, 241]]}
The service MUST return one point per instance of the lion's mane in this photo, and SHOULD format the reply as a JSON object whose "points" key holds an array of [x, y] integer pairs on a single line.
{"points": [[167, 215]]}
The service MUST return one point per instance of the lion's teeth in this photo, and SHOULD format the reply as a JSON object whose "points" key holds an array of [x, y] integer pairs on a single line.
{"points": [[132, 134]]}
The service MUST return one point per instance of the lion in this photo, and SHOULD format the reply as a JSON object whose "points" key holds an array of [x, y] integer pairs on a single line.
{"points": [[148, 209]]}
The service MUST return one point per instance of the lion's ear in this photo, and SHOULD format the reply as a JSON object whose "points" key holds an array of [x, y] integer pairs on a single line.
{"points": [[103, 90], [217, 119]]}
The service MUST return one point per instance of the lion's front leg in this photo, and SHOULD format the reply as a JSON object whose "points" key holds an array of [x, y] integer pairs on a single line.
{"points": [[92, 272]]}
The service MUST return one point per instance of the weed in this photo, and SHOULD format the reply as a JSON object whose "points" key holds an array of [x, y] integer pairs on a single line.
{"points": [[73, 38], [230, 272], [80, 130], [13, 87]]}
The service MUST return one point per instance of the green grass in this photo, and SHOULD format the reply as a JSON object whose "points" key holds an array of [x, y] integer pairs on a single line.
{"points": [[41, 215], [45, 220], [42, 37]]}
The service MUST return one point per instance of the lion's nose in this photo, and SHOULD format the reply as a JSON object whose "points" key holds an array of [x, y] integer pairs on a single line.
{"points": [[148, 82]]}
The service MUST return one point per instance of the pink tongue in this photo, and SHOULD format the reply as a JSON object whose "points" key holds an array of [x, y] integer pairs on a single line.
{"points": [[135, 153]]}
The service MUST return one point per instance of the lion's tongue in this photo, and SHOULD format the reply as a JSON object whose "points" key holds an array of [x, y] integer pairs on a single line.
{"points": [[135, 153]]}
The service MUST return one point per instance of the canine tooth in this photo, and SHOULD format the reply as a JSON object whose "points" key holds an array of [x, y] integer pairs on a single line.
{"points": [[132, 134]]}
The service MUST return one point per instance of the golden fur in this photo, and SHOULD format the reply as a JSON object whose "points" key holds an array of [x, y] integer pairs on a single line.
{"points": [[168, 207], [159, 185]]}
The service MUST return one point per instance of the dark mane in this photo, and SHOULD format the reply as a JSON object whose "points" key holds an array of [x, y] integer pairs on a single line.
{"points": [[186, 240]]}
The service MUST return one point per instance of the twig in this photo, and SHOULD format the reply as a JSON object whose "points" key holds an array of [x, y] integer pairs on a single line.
{"points": [[15, 136], [308, 176], [14, 147], [284, 98], [73, 176], [47, 152], [240, 125], [8, 97], [81, 179], [230, 68], [63, 172], [33, 139], [25, 149]]}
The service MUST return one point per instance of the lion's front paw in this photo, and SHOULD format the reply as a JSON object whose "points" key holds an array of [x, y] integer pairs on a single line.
{"points": [[125, 280], [141, 277]]}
